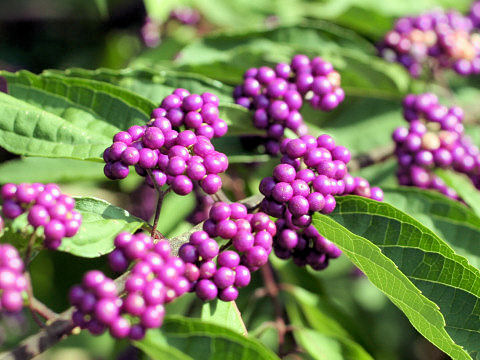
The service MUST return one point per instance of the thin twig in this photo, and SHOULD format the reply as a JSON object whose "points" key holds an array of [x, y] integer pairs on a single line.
{"points": [[220, 196], [158, 210], [161, 195], [28, 252], [225, 246], [30, 301], [375, 156], [42, 309]]}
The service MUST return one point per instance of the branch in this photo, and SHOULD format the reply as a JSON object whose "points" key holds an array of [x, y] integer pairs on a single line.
{"points": [[42, 309], [34, 345], [221, 196], [375, 156]]}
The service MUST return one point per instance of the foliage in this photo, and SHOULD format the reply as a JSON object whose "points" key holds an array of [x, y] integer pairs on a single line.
{"points": [[417, 248]]}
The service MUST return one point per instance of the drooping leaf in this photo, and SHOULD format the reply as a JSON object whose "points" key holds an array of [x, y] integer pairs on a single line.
{"points": [[436, 289], [225, 314], [321, 335], [101, 223], [191, 338], [464, 188], [452, 221]]}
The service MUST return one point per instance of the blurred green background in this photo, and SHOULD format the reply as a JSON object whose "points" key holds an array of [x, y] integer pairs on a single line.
{"points": [[230, 36]]}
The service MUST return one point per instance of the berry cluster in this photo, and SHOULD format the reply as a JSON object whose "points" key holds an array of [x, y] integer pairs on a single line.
{"points": [[249, 234], [151, 29], [98, 305], [437, 39], [474, 14], [156, 278], [434, 138], [12, 281], [311, 172], [47, 207], [175, 157], [305, 246], [276, 95]]}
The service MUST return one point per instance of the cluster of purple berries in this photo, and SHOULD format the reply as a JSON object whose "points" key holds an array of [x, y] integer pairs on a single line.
{"points": [[156, 278], [434, 139], [311, 172], [12, 281], [276, 95], [175, 157], [436, 39], [47, 207], [251, 236], [304, 245]]}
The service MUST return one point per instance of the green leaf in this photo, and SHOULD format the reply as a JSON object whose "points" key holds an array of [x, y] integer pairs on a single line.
{"points": [[324, 337], [35, 169], [156, 85], [93, 105], [322, 347], [28, 130], [160, 9], [174, 210], [190, 338], [65, 117], [101, 223], [463, 186], [151, 84], [451, 220], [225, 314], [436, 289], [227, 55], [354, 120]]}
